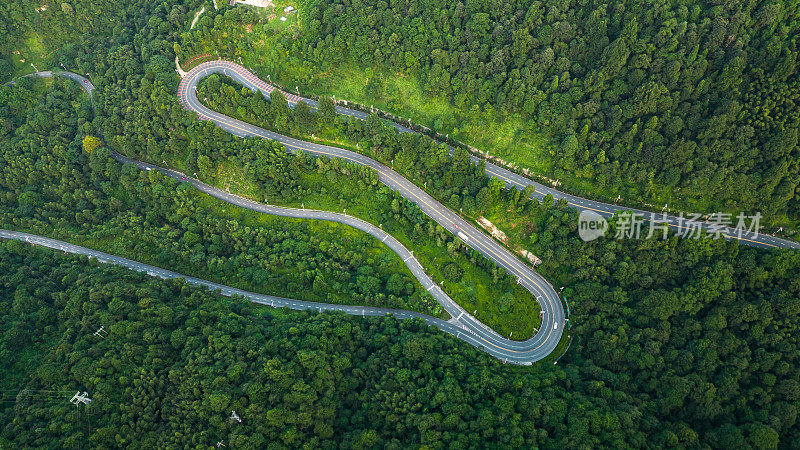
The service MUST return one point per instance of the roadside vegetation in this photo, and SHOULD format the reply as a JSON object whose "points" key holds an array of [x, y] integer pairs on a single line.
{"points": [[676, 343], [86, 198], [672, 105], [470, 279]]}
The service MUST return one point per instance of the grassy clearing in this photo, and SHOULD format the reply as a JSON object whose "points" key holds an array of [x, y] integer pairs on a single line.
{"points": [[33, 50]]}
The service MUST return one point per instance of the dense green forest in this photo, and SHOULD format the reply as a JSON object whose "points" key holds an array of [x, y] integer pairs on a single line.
{"points": [[684, 96], [687, 102], [676, 342]]}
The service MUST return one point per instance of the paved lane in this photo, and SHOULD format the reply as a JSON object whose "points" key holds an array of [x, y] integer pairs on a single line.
{"points": [[533, 349], [461, 325], [511, 179], [85, 84], [277, 302]]}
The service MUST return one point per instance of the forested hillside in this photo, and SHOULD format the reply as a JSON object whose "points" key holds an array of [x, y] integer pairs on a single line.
{"points": [[681, 101], [51, 186], [680, 95], [33, 30], [676, 343]]}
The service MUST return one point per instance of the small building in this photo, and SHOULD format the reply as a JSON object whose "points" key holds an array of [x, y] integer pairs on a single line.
{"points": [[288, 9], [256, 3]]}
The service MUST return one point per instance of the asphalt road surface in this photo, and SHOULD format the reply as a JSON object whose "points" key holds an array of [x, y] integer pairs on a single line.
{"points": [[461, 324], [553, 319], [277, 302], [676, 223], [83, 82]]}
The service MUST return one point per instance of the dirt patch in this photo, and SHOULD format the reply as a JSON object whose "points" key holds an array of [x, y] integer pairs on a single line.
{"points": [[495, 232], [500, 236], [530, 257]]}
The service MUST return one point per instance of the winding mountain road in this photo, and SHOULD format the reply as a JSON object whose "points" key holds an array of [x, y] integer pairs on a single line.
{"points": [[511, 179], [461, 325], [553, 319]]}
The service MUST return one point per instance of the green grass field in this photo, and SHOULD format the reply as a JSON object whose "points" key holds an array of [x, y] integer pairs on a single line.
{"points": [[33, 51]]}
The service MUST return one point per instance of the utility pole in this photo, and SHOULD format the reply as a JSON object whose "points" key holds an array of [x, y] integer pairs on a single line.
{"points": [[34, 68], [100, 331], [80, 398]]}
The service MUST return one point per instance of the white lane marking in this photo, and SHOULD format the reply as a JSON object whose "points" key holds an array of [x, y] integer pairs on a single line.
{"points": [[487, 248]]}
